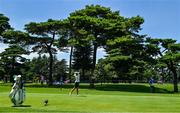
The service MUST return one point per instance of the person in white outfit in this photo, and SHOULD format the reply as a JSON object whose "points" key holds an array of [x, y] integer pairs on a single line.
{"points": [[77, 81]]}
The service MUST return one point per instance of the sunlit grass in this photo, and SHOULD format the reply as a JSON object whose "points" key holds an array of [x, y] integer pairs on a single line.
{"points": [[106, 98]]}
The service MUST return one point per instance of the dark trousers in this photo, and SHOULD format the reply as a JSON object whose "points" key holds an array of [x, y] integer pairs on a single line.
{"points": [[152, 89]]}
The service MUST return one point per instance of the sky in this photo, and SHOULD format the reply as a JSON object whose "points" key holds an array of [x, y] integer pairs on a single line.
{"points": [[162, 17]]}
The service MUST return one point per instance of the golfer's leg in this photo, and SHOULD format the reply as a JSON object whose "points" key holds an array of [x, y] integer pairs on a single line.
{"points": [[77, 89], [72, 91]]}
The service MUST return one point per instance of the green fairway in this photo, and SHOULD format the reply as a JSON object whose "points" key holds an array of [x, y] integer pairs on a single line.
{"points": [[100, 99]]}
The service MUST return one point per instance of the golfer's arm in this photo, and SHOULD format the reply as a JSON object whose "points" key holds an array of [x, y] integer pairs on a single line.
{"points": [[14, 86]]}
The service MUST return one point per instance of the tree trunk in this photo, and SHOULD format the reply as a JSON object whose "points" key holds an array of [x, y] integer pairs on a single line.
{"points": [[175, 81], [12, 70], [173, 70], [70, 62], [94, 65], [94, 56], [175, 78], [83, 74], [50, 81]]}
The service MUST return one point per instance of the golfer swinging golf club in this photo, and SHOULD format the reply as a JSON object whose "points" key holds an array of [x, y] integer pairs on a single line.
{"points": [[17, 94], [76, 85]]}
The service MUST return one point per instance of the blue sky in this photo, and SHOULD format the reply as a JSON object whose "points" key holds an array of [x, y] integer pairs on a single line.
{"points": [[162, 17]]}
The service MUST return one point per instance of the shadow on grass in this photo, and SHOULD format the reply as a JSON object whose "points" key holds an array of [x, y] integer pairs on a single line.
{"points": [[131, 88], [140, 88], [68, 86], [22, 106], [29, 110]]}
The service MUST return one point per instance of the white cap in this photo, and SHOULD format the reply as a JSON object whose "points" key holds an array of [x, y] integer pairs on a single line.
{"points": [[17, 77]]}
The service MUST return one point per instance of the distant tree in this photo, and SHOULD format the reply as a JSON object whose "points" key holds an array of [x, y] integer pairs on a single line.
{"points": [[60, 70], [82, 59], [4, 24], [125, 54], [12, 61], [16, 37], [64, 43], [101, 72], [37, 67], [46, 39], [168, 52], [75, 37], [92, 21]]}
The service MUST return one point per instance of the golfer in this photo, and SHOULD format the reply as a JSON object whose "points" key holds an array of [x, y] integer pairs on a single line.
{"points": [[151, 83], [76, 85]]}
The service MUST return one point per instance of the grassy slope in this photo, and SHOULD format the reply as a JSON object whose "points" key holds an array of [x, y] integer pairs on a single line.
{"points": [[110, 98]]}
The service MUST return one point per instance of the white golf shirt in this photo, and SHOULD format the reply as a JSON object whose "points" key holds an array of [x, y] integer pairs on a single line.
{"points": [[77, 77]]}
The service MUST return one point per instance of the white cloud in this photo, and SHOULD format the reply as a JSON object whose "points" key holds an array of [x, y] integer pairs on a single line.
{"points": [[60, 55], [101, 53], [31, 56], [3, 47]]}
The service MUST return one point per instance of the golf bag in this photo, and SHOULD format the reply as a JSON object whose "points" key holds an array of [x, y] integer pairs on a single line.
{"points": [[17, 94]]}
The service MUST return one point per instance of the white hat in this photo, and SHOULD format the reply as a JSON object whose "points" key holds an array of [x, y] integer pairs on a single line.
{"points": [[17, 77]]}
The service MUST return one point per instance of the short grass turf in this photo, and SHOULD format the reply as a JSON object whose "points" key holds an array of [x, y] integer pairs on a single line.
{"points": [[120, 98]]}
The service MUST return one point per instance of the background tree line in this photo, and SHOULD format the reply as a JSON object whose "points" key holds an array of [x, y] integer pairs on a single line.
{"points": [[131, 56]]}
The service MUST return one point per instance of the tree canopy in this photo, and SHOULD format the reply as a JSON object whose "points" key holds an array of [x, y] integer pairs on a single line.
{"points": [[130, 56]]}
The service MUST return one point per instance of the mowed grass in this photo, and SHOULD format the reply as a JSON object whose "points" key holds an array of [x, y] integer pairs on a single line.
{"points": [[121, 98]]}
